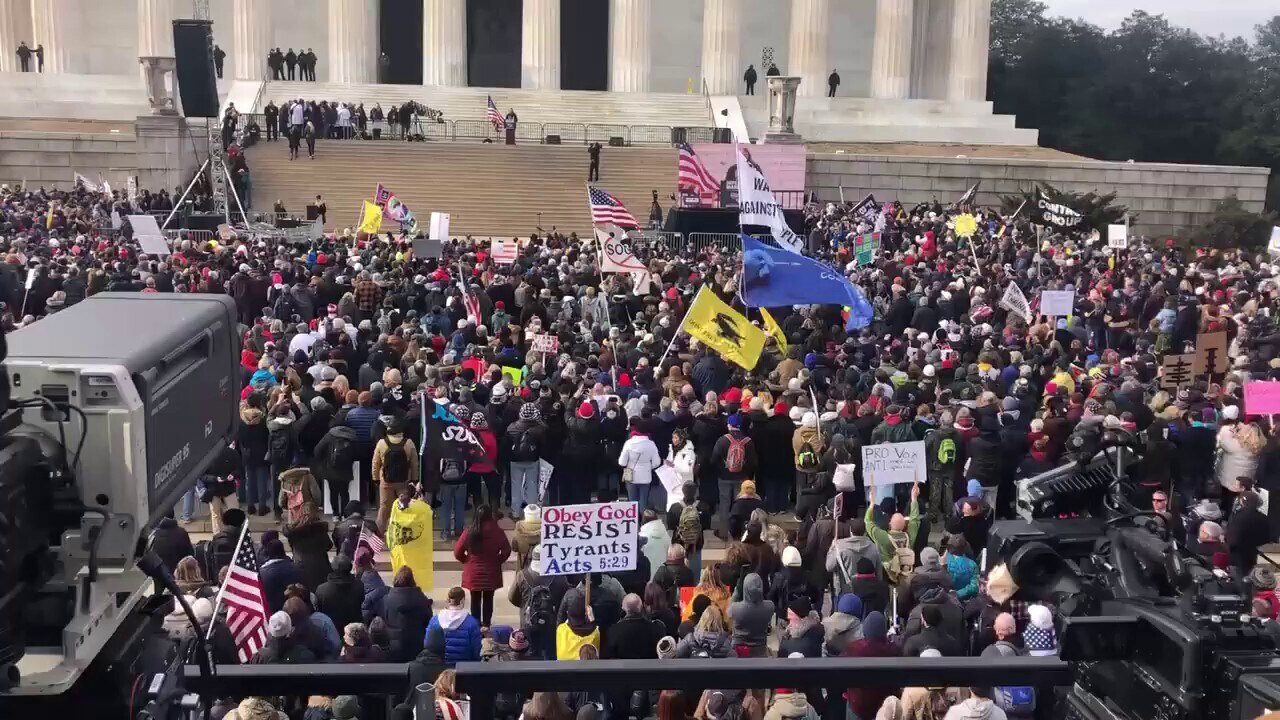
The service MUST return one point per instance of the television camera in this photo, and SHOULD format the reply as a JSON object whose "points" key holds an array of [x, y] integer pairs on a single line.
{"points": [[1150, 630], [112, 409]]}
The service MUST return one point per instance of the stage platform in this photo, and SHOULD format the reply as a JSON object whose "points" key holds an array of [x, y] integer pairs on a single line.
{"points": [[718, 220]]}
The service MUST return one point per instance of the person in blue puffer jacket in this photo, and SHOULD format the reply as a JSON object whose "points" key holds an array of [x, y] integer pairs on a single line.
{"points": [[962, 569], [461, 630]]}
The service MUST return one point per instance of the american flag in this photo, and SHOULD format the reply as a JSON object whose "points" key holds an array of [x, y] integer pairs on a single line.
{"points": [[493, 116], [609, 210], [246, 606], [371, 539], [693, 174]]}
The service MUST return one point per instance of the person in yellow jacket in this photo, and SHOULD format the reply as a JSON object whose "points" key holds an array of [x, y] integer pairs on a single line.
{"points": [[576, 631]]}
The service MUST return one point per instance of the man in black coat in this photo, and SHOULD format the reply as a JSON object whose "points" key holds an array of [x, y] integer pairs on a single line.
{"points": [[171, 543], [271, 116], [833, 82], [931, 636], [750, 78], [291, 61], [341, 596], [1247, 530], [219, 58], [634, 637]]}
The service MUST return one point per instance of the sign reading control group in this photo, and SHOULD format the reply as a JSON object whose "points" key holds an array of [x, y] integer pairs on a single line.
{"points": [[601, 537]]}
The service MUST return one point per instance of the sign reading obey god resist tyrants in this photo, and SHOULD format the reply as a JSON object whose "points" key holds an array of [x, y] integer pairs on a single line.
{"points": [[601, 537], [894, 463]]}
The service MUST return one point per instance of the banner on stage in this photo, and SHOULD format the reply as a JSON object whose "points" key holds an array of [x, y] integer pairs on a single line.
{"points": [[600, 537], [894, 463]]}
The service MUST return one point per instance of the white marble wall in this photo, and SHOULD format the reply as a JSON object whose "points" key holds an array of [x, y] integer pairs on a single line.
{"points": [[676, 35]]}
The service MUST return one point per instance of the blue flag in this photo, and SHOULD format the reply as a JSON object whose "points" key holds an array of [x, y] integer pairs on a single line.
{"points": [[772, 277]]}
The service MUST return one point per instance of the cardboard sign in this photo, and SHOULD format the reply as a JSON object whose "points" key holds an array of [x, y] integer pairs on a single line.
{"points": [[1262, 397], [1118, 236], [1057, 303], [600, 537], [504, 252], [545, 470], [545, 343], [894, 463], [1211, 354], [439, 228], [426, 248], [1175, 371]]}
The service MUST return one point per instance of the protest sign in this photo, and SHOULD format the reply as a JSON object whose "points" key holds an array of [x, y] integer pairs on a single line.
{"points": [[1274, 244], [1057, 303], [1262, 397], [545, 343], [1015, 301], [1118, 236], [148, 235], [504, 252], [1175, 371], [865, 248], [515, 373], [1211, 354], [545, 469], [426, 248], [671, 482], [894, 463], [439, 228], [600, 537]]}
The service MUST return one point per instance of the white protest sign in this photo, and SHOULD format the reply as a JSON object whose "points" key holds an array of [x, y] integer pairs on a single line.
{"points": [[894, 463], [616, 254], [1274, 245], [504, 252], [439, 228], [757, 204], [600, 537], [545, 343], [671, 482], [1118, 236], [545, 469], [1015, 301], [1057, 303], [148, 235]]}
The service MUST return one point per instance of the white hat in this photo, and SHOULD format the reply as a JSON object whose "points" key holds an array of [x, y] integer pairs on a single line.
{"points": [[1231, 412], [930, 653], [795, 414], [929, 371], [790, 557], [809, 420], [1040, 617], [280, 626], [532, 512], [203, 610]]}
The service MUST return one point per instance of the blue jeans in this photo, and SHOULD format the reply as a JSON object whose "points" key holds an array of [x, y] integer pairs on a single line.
{"points": [[524, 485], [453, 505], [638, 494], [257, 479], [727, 489], [188, 505], [694, 561]]}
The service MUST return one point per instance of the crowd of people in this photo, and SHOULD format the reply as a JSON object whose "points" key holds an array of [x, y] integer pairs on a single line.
{"points": [[346, 341]]}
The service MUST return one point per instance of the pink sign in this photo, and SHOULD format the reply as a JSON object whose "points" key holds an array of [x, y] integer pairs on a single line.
{"points": [[783, 165], [1262, 397]]}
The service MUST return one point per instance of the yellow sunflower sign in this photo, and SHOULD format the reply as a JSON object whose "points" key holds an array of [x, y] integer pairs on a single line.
{"points": [[966, 225]]}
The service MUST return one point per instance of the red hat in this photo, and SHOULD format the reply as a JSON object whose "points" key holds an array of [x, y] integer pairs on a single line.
{"points": [[780, 408], [500, 305], [731, 396], [671, 293], [586, 410]]}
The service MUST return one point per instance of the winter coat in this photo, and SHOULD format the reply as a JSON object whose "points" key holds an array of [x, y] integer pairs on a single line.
{"points": [[582, 446], [873, 591], [298, 480], [683, 461], [752, 615], [838, 630], [488, 462], [987, 463], [1247, 530], [842, 559], [656, 541], [482, 567], [276, 576], [952, 624], [401, 443], [719, 455], [963, 573], [322, 454], [792, 582], [171, 543], [251, 436], [921, 580], [375, 593], [311, 545], [1236, 461], [704, 644], [283, 651], [341, 597], [461, 635], [528, 533], [407, 611], [632, 638], [804, 636], [640, 455], [791, 706]]}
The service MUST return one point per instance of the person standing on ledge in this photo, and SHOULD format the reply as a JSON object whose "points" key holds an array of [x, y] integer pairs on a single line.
{"points": [[593, 172], [24, 56], [773, 70], [40, 57], [309, 67], [750, 79], [833, 82], [271, 116], [291, 61], [219, 57]]}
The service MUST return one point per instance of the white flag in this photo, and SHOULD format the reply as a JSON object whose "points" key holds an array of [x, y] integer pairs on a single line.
{"points": [[757, 205], [615, 251], [1016, 302]]}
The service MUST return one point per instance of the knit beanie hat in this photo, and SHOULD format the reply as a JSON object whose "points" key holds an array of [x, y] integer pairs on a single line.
{"points": [[1039, 634], [519, 642], [849, 604], [666, 648], [874, 626], [930, 560], [791, 558]]}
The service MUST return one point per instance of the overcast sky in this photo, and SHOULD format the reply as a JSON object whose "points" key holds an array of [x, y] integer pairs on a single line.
{"points": [[1225, 17]]}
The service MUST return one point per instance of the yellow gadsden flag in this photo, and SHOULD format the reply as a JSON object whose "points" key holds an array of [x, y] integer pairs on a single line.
{"points": [[410, 541], [724, 330], [371, 219], [771, 327]]}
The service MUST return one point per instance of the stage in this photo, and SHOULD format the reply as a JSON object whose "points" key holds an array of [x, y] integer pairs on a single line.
{"points": [[718, 220]]}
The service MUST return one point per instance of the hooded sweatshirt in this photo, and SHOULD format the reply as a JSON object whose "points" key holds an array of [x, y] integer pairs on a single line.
{"points": [[838, 630], [842, 559], [792, 705], [975, 708], [461, 635], [752, 615]]}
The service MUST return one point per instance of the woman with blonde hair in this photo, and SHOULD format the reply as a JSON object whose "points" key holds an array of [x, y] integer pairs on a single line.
{"points": [[1240, 445], [709, 584], [191, 580], [710, 637], [546, 706]]}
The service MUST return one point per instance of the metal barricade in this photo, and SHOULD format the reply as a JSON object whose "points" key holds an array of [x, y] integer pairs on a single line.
{"points": [[699, 134], [528, 132], [474, 130], [650, 134], [656, 240], [436, 130], [604, 133], [568, 132], [728, 242], [199, 236]]}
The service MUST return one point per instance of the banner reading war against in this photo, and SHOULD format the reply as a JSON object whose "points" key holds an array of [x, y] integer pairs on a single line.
{"points": [[758, 206], [600, 537]]}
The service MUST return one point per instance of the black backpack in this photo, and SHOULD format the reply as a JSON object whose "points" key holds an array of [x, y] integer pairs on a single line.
{"points": [[452, 470], [284, 308], [278, 446], [539, 609], [341, 454], [217, 552], [527, 443], [395, 464]]}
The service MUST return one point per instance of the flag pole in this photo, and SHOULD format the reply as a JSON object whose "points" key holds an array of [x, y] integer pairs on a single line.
{"points": [[222, 589]]}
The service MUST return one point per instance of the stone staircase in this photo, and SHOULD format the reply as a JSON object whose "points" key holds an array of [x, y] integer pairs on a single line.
{"points": [[488, 189], [539, 106]]}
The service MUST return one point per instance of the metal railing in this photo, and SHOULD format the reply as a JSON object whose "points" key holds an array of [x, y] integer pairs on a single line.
{"points": [[528, 132], [199, 236]]}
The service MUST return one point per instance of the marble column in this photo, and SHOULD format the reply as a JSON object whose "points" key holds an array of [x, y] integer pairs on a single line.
{"points": [[722, 67], [970, 42], [444, 43], [936, 54], [891, 56], [155, 28], [630, 45], [8, 37], [55, 25], [809, 42], [540, 45], [353, 41], [251, 21]]}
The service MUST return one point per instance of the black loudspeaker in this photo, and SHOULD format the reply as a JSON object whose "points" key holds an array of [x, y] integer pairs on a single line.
{"points": [[197, 85], [553, 139], [616, 141]]}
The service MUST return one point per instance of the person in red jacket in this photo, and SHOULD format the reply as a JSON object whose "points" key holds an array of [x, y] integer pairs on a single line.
{"points": [[482, 550], [483, 471], [865, 702]]}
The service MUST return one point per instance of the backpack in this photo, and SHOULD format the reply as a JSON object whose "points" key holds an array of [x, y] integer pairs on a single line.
{"points": [[526, 444], [689, 527], [903, 561], [807, 458], [341, 454], [539, 610], [284, 307], [735, 459], [217, 553], [947, 451], [452, 470], [395, 464], [1017, 701], [278, 446]]}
